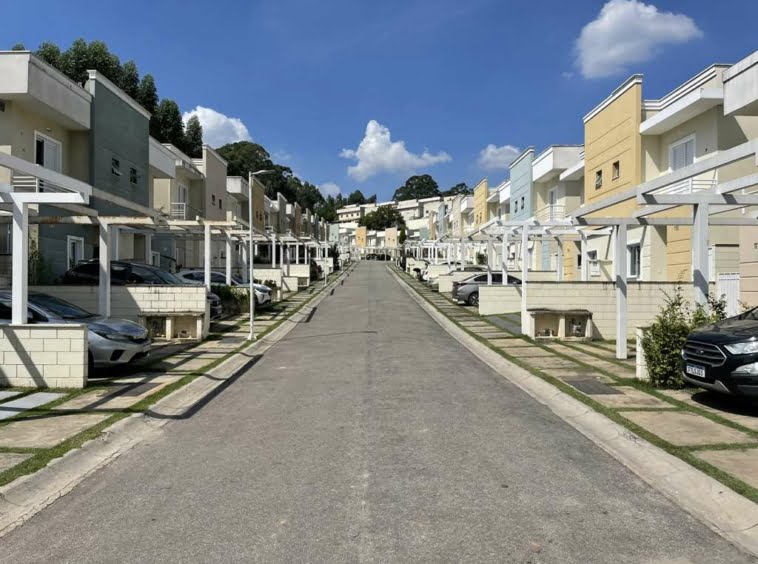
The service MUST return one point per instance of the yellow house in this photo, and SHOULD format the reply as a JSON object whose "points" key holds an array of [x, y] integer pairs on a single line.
{"points": [[360, 237], [481, 193]]}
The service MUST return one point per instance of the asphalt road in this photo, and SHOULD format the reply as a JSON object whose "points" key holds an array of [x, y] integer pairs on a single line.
{"points": [[368, 435]]}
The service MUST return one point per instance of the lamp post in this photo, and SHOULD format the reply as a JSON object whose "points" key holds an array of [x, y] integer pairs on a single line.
{"points": [[250, 256]]}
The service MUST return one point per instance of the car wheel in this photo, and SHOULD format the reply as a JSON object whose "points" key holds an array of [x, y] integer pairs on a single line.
{"points": [[473, 299]]}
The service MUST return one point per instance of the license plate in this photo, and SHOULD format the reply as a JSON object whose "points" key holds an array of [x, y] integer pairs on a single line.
{"points": [[693, 370]]}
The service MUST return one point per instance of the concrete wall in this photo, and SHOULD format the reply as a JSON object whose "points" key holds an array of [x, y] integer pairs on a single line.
{"points": [[521, 186], [129, 302], [481, 192], [214, 167], [274, 274], [497, 299], [43, 356]]}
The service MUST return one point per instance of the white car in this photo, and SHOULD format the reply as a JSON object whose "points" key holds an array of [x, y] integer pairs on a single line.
{"points": [[262, 293]]}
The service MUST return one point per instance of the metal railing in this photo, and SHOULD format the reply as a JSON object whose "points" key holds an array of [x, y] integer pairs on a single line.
{"points": [[24, 183], [182, 210], [551, 212], [688, 186]]}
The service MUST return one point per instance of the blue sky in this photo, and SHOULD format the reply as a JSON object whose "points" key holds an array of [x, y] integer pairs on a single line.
{"points": [[310, 78]]}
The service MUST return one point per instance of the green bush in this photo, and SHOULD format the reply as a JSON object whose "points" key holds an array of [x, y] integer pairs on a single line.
{"points": [[234, 300], [662, 342]]}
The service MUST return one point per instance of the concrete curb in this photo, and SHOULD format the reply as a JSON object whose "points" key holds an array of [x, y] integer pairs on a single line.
{"points": [[723, 510], [25, 497]]}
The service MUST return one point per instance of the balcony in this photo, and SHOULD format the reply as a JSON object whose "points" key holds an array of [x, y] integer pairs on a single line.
{"points": [[689, 186], [181, 210], [22, 183], [551, 212]]}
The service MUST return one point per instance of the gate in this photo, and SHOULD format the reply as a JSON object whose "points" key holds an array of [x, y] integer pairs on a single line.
{"points": [[728, 285]]}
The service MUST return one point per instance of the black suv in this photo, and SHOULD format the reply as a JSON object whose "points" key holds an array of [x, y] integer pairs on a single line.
{"points": [[723, 357], [87, 273]]}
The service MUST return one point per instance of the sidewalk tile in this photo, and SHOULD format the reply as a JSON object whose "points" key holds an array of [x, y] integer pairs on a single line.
{"points": [[10, 459], [6, 395], [681, 429], [46, 432], [733, 409], [742, 464], [632, 397], [11, 408]]}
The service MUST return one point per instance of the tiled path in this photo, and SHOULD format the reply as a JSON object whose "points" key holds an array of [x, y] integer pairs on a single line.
{"points": [[32, 422], [712, 431]]}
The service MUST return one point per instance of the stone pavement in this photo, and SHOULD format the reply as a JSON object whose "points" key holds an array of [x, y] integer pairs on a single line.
{"points": [[720, 431], [33, 422]]}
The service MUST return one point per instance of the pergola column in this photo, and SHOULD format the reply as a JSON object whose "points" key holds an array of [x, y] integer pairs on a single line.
{"points": [[619, 261], [228, 259], [207, 257], [148, 248], [20, 263], [585, 257], [504, 259], [297, 253], [104, 284], [246, 265], [700, 263], [489, 259], [559, 265], [273, 250], [524, 277]]}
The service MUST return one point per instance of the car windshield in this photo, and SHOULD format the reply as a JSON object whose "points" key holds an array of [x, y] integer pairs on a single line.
{"points": [[59, 307], [167, 277]]}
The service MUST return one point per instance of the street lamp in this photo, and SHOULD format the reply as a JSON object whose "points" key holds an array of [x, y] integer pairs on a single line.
{"points": [[251, 247]]}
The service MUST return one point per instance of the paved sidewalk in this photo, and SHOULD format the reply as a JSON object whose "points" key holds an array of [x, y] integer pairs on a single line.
{"points": [[716, 434], [39, 425]]}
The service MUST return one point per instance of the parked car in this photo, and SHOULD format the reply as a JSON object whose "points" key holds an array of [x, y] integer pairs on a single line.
{"points": [[111, 341], [197, 277], [723, 357], [468, 290], [87, 273], [432, 280]]}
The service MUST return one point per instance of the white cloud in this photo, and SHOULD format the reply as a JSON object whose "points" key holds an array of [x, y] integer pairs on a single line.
{"points": [[218, 129], [329, 189], [628, 32], [493, 157], [377, 153]]}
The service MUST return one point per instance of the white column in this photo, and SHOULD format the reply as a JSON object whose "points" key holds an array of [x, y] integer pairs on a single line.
{"points": [[504, 258], [115, 243], [104, 285], [619, 261], [524, 277], [463, 255], [207, 256], [20, 263], [700, 263], [559, 265], [297, 253], [148, 248], [273, 250], [228, 259], [245, 263], [489, 259], [585, 257]]}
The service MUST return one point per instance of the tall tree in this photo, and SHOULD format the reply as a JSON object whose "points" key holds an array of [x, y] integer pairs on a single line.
{"points": [[193, 138], [244, 157], [309, 197], [382, 218], [130, 79], [103, 61], [460, 188], [50, 53], [170, 124], [416, 187], [371, 199], [356, 198], [147, 97], [327, 210], [75, 61], [18, 47]]}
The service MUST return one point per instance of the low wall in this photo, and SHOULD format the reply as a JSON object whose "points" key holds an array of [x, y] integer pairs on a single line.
{"points": [[644, 300], [43, 356], [290, 283], [130, 302], [301, 271], [437, 269], [273, 274], [537, 275], [497, 299]]}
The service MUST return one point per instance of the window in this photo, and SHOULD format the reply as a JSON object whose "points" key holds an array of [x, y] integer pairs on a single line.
{"points": [[616, 170], [47, 152], [115, 167], [75, 254], [633, 255], [213, 199], [220, 204], [593, 263], [598, 179], [133, 175], [523, 207], [682, 153]]}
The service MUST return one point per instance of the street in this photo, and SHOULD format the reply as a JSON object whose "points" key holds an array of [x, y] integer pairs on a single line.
{"points": [[367, 435]]}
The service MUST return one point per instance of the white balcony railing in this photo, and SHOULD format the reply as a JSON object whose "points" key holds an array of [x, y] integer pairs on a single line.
{"points": [[551, 212], [182, 210], [22, 183], [688, 186]]}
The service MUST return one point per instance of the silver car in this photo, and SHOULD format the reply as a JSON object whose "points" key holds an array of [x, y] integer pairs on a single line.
{"points": [[111, 341], [197, 277]]}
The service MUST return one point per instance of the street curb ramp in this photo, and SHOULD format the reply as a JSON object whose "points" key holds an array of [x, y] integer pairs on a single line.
{"points": [[723, 510], [26, 496]]}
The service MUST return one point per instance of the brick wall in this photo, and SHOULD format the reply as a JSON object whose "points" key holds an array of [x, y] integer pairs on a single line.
{"points": [[43, 356]]}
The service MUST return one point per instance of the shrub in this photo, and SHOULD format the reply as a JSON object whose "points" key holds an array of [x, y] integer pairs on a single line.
{"points": [[481, 258], [233, 300], [662, 342]]}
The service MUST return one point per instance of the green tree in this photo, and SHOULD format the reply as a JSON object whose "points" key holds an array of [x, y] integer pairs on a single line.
{"points": [[416, 187], [356, 197], [130, 79], [169, 123], [75, 61], [382, 218], [245, 157], [50, 53], [193, 138], [18, 47], [147, 97], [371, 199], [309, 196], [403, 236], [327, 210], [460, 188], [105, 62]]}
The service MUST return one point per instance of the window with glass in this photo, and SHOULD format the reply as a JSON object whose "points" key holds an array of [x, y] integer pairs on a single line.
{"points": [[634, 254], [682, 153]]}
